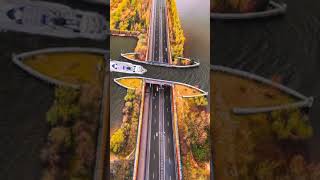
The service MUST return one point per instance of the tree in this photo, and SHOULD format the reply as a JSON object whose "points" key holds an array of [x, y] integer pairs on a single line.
{"points": [[52, 116], [265, 170], [85, 149], [117, 141], [130, 95], [60, 136], [201, 101], [66, 95], [297, 167], [291, 124], [50, 174]]}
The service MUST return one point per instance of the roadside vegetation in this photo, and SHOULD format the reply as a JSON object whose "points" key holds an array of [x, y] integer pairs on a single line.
{"points": [[121, 169], [182, 61], [131, 17], [142, 47], [238, 6], [123, 140], [71, 144], [258, 146], [176, 35], [73, 118], [194, 133]]}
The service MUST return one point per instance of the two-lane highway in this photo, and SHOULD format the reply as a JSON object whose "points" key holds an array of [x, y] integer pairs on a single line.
{"points": [[170, 161], [159, 40], [153, 144]]}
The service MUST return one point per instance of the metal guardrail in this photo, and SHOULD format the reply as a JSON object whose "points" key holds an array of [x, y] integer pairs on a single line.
{"points": [[137, 152]]}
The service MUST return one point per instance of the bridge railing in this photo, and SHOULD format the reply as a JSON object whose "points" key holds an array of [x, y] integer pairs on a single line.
{"points": [[137, 152]]}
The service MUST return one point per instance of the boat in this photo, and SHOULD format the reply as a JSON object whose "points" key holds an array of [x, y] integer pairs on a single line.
{"points": [[52, 19], [124, 67], [273, 9]]}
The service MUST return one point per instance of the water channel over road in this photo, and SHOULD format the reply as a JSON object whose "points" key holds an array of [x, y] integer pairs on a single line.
{"points": [[287, 47], [196, 26]]}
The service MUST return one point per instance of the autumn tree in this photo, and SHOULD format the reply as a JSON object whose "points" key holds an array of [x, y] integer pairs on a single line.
{"points": [[60, 136], [291, 124], [117, 141]]}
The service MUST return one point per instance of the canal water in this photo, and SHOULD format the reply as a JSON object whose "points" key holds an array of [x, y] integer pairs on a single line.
{"points": [[196, 26], [287, 47]]}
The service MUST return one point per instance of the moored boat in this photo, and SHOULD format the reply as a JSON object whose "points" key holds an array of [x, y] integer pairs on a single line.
{"points": [[52, 19], [124, 67]]}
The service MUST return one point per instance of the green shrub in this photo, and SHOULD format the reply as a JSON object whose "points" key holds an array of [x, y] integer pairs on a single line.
{"points": [[53, 116], [200, 152], [117, 141], [291, 125]]}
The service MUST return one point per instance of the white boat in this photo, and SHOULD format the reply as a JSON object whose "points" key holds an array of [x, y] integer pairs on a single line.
{"points": [[46, 18], [124, 67]]}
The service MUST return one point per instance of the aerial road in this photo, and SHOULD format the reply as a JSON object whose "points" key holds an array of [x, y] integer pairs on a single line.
{"points": [[159, 36], [160, 152], [157, 147]]}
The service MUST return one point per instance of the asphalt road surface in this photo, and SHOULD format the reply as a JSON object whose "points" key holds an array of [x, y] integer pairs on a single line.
{"points": [[153, 167], [160, 147], [168, 129], [159, 38]]}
